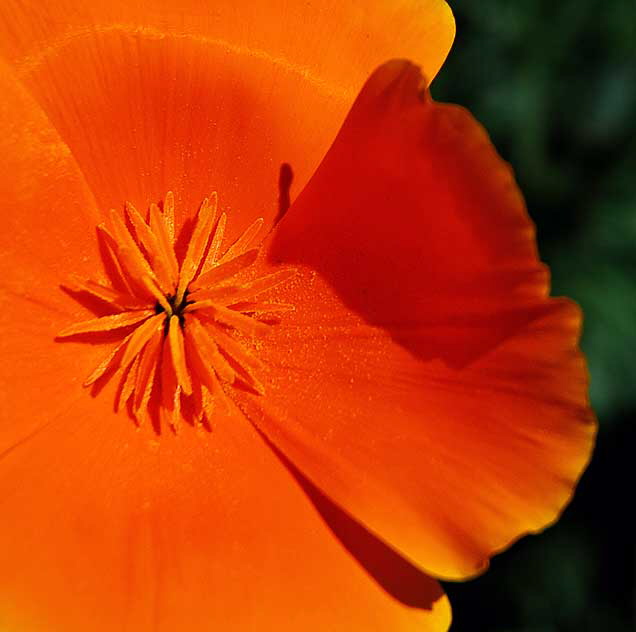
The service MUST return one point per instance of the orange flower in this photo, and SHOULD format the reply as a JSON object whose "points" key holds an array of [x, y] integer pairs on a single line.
{"points": [[296, 418]]}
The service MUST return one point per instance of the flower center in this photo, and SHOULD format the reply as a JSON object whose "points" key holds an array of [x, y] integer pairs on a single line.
{"points": [[176, 308], [183, 324]]}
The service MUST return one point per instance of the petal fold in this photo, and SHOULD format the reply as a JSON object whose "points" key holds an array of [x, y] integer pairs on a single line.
{"points": [[425, 381]]}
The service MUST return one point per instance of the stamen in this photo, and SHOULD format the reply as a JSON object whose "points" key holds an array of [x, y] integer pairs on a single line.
{"points": [[113, 248], [260, 285], [255, 306], [140, 337], [149, 284], [158, 224], [170, 390], [107, 362], [180, 347], [213, 295], [228, 317], [227, 270], [150, 242], [147, 370], [144, 278], [128, 385], [207, 348], [251, 380], [207, 401], [177, 351], [215, 243], [235, 350], [134, 262], [243, 241], [168, 214], [207, 372], [201, 370], [107, 294], [245, 364], [106, 323], [197, 245]]}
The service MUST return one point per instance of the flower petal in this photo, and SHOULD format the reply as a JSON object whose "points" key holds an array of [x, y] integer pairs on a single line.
{"points": [[108, 527], [425, 382], [32, 205], [193, 96], [47, 230]]}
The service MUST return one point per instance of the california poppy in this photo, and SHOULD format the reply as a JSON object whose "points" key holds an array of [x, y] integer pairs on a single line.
{"points": [[327, 396]]}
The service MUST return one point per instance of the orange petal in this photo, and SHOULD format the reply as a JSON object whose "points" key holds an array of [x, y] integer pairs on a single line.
{"points": [[425, 381], [43, 183], [192, 96], [204, 530], [47, 231], [153, 532]]}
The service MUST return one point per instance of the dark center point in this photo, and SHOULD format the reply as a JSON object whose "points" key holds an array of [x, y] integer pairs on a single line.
{"points": [[177, 308]]}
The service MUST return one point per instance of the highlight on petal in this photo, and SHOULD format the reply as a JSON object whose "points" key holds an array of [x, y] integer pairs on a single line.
{"points": [[31, 147], [195, 96], [454, 414]]}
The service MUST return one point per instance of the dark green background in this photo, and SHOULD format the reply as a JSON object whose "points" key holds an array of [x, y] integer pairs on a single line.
{"points": [[555, 85]]}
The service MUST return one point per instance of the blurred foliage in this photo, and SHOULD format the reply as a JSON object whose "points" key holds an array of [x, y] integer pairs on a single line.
{"points": [[555, 85]]}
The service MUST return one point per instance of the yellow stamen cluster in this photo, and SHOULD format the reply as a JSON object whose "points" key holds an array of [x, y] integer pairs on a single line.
{"points": [[179, 351]]}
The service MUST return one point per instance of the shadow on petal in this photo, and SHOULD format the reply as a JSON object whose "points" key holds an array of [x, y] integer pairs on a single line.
{"points": [[418, 225], [391, 571]]}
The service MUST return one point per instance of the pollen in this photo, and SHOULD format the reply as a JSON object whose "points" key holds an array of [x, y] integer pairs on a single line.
{"points": [[183, 323]]}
